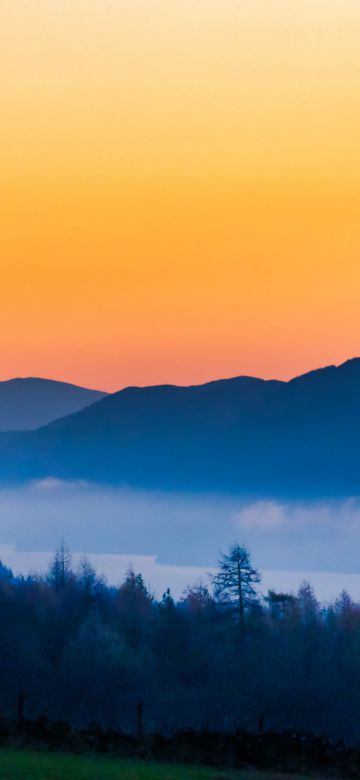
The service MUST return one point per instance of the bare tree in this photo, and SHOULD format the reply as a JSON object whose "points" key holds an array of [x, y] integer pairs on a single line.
{"points": [[235, 580]]}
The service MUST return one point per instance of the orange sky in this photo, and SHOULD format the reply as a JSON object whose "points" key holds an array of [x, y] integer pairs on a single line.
{"points": [[179, 187]]}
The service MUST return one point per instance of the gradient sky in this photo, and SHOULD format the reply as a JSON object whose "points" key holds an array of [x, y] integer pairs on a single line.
{"points": [[179, 187]]}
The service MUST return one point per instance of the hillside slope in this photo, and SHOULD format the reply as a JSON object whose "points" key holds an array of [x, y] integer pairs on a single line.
{"points": [[242, 435], [26, 404]]}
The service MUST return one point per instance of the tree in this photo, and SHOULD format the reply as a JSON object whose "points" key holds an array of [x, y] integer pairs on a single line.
{"points": [[281, 605], [135, 607], [5, 572], [60, 571], [88, 580], [308, 604], [234, 582], [197, 600]]}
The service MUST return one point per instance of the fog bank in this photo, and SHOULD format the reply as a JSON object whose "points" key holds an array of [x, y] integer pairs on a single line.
{"points": [[175, 538]]}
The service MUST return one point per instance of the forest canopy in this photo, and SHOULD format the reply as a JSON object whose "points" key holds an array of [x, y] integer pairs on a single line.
{"points": [[222, 656]]}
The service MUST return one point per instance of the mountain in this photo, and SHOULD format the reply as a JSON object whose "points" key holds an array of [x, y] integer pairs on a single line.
{"points": [[241, 435], [26, 404]]}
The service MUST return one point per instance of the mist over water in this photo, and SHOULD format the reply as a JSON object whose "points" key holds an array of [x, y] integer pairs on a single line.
{"points": [[174, 539]]}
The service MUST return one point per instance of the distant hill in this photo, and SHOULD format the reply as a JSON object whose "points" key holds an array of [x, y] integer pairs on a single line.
{"points": [[242, 435], [26, 404]]}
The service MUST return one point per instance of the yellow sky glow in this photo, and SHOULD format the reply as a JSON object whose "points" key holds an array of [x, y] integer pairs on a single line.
{"points": [[179, 187]]}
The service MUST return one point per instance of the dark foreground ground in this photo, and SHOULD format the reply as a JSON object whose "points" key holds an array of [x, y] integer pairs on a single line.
{"points": [[45, 749], [25, 765]]}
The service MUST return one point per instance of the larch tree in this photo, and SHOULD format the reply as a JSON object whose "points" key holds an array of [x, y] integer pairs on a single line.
{"points": [[235, 581]]}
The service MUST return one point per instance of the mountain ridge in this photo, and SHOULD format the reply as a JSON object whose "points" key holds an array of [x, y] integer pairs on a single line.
{"points": [[27, 403], [239, 435]]}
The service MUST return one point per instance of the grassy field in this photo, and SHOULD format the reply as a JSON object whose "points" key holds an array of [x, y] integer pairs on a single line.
{"points": [[22, 765]]}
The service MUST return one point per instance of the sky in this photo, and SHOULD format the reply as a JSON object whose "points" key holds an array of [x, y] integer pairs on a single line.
{"points": [[179, 191]]}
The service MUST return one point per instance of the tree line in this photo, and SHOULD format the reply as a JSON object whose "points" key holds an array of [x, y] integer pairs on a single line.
{"points": [[222, 656]]}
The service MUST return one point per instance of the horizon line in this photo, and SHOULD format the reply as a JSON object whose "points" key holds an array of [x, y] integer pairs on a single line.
{"points": [[234, 377]]}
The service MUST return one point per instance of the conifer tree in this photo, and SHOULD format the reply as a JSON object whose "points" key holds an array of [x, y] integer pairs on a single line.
{"points": [[235, 581]]}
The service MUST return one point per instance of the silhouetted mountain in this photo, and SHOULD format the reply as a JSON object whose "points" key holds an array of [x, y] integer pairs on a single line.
{"points": [[241, 435], [26, 404]]}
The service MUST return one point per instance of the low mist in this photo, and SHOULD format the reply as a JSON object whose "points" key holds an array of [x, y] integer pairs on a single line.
{"points": [[174, 539]]}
